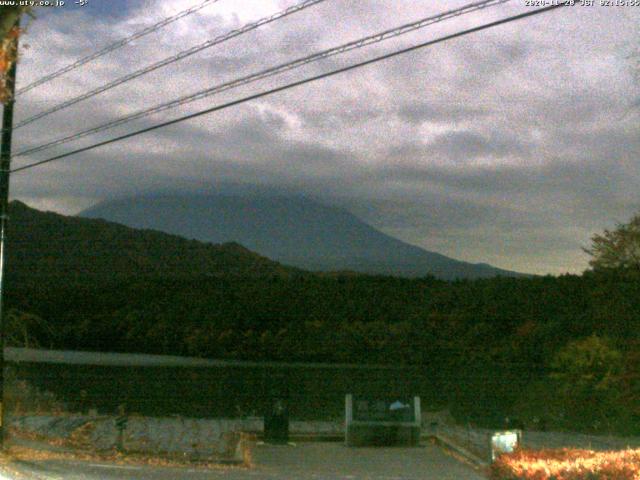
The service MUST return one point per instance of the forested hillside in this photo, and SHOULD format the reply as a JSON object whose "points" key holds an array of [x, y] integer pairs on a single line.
{"points": [[45, 245], [564, 348]]}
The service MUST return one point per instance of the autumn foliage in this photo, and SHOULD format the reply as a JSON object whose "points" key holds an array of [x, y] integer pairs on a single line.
{"points": [[567, 464], [9, 33], [7, 57]]}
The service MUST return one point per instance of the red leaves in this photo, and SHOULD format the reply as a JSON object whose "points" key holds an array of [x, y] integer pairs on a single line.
{"points": [[567, 464], [7, 57]]}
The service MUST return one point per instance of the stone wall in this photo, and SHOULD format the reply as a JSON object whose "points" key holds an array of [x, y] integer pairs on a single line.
{"points": [[210, 438], [204, 438]]}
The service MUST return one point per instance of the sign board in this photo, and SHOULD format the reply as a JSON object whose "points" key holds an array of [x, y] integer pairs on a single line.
{"points": [[382, 421], [504, 442], [384, 410]]}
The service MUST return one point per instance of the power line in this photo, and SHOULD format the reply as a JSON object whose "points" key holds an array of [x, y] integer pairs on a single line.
{"points": [[295, 84], [172, 59], [115, 46], [269, 72]]}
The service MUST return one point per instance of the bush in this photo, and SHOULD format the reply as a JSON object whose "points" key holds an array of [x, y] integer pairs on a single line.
{"points": [[567, 464]]}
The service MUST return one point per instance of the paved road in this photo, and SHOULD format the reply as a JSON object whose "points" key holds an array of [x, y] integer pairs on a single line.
{"points": [[307, 461]]}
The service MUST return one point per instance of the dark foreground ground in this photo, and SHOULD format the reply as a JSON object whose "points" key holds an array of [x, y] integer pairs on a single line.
{"points": [[306, 461]]}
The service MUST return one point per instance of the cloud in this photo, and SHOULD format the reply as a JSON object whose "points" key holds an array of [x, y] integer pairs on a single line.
{"points": [[467, 145], [418, 113], [511, 146]]}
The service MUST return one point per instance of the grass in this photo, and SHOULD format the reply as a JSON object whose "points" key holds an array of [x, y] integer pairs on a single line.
{"points": [[567, 464]]}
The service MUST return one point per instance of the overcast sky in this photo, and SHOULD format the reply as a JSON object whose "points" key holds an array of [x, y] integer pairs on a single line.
{"points": [[511, 146]]}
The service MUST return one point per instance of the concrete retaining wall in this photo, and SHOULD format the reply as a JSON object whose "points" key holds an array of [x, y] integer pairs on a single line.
{"points": [[219, 438], [210, 438]]}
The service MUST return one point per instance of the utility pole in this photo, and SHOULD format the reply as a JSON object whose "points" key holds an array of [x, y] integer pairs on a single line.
{"points": [[5, 169]]}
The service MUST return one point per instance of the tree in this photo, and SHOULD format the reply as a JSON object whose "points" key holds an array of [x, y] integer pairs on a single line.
{"points": [[9, 32], [630, 380], [587, 373], [588, 362], [617, 249], [8, 17], [27, 330]]}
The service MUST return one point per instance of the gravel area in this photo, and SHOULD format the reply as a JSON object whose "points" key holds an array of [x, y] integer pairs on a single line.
{"points": [[336, 461], [306, 461]]}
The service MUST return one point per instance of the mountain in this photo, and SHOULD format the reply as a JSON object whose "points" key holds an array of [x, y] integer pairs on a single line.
{"points": [[45, 244], [290, 229]]}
